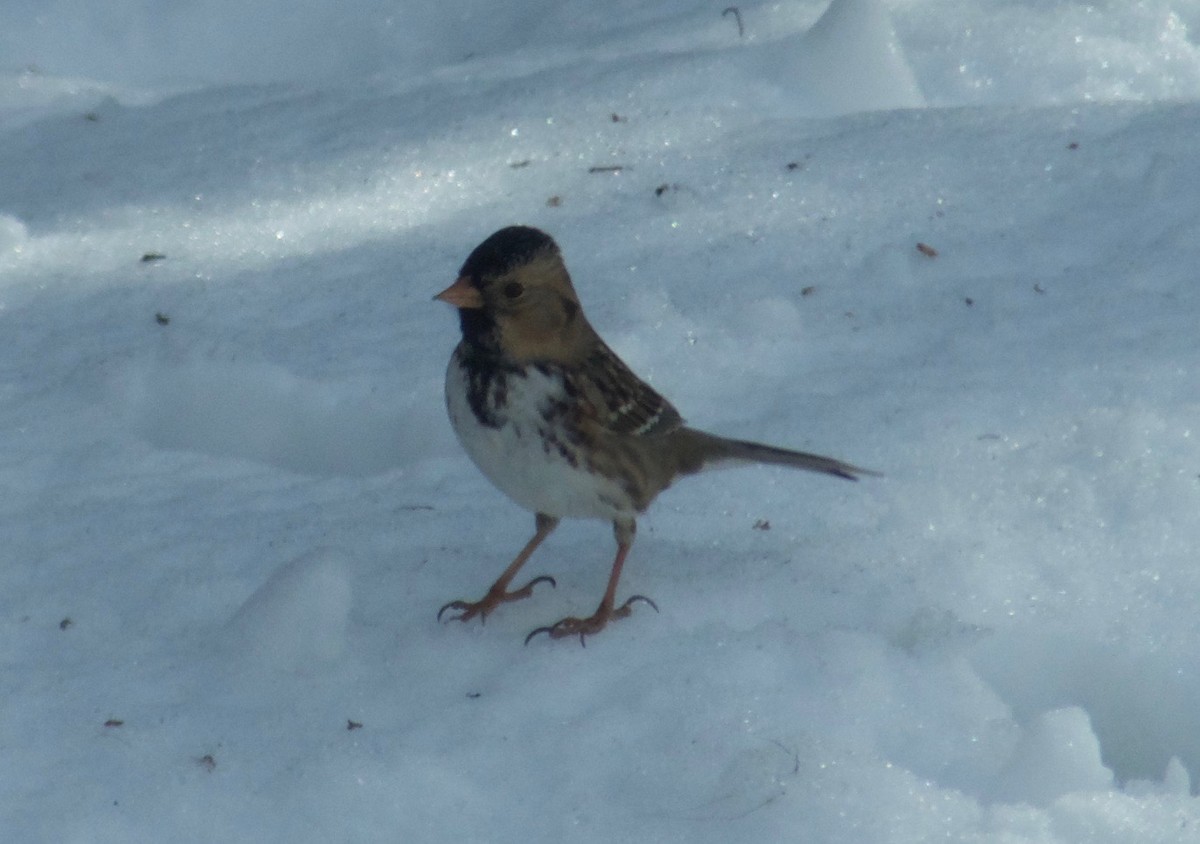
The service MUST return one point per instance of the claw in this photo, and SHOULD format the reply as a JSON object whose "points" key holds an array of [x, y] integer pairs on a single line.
{"points": [[453, 605], [624, 608], [549, 631], [491, 600], [591, 625]]}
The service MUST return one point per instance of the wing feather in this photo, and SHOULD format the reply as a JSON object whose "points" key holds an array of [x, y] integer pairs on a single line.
{"points": [[613, 397]]}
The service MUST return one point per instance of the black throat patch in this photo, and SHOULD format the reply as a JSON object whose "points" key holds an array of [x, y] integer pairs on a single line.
{"points": [[487, 375]]}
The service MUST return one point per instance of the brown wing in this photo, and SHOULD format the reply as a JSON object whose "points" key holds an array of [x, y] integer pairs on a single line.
{"points": [[620, 402]]}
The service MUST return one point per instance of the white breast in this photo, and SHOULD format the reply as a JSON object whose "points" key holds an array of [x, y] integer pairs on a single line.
{"points": [[516, 457]]}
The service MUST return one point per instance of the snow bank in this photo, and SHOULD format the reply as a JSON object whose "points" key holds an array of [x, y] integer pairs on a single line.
{"points": [[233, 505]]}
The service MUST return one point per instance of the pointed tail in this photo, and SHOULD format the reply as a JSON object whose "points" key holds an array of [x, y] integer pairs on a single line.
{"points": [[707, 451]]}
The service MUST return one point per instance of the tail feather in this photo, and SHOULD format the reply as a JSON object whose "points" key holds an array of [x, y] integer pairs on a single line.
{"points": [[708, 451]]}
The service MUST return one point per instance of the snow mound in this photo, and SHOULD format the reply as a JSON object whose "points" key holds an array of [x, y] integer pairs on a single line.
{"points": [[13, 234], [1057, 755], [850, 60], [263, 412], [298, 616]]}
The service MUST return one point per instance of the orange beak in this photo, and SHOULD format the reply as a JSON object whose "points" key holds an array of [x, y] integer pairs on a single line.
{"points": [[461, 294]]}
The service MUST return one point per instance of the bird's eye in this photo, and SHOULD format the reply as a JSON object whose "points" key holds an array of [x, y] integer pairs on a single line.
{"points": [[513, 289]]}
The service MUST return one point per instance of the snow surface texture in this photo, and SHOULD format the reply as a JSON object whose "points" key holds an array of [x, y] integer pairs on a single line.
{"points": [[232, 504]]}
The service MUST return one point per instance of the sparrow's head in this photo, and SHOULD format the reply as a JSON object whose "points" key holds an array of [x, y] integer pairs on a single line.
{"points": [[514, 297]]}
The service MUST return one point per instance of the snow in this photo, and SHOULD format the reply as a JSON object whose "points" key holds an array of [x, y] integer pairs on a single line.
{"points": [[233, 504]]}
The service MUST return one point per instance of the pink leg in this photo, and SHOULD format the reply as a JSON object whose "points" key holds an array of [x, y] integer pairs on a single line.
{"points": [[607, 611], [499, 593]]}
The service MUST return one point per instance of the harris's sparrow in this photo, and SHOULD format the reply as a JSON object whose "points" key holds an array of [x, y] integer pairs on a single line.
{"points": [[558, 422]]}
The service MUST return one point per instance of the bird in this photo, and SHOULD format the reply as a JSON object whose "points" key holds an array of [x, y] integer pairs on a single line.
{"points": [[560, 424]]}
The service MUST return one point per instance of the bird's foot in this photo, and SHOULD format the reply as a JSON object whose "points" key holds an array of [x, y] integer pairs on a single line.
{"points": [[593, 624], [495, 596]]}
